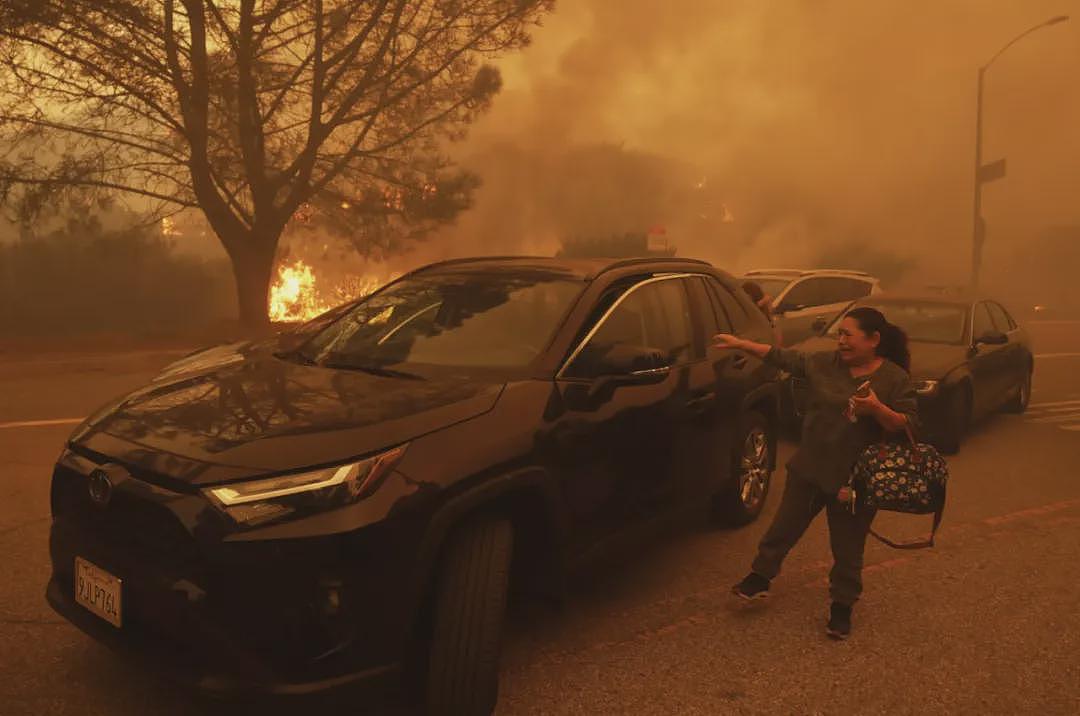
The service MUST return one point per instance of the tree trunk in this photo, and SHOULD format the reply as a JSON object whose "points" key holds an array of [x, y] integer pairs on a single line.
{"points": [[252, 267]]}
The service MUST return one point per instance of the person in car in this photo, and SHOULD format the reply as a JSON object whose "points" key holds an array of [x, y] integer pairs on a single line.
{"points": [[841, 420], [763, 301]]}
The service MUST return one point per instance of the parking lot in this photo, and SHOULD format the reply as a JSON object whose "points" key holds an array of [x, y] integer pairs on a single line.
{"points": [[987, 622]]}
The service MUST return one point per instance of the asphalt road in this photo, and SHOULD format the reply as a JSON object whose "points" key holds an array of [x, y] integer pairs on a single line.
{"points": [[987, 622]]}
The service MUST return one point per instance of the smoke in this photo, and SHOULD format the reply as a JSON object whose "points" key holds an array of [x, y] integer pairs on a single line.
{"points": [[775, 132]]}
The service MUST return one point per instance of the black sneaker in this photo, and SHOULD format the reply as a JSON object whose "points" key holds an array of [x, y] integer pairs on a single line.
{"points": [[839, 626], [753, 586]]}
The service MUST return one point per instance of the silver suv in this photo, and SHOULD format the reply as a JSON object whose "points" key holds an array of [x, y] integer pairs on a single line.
{"points": [[804, 302]]}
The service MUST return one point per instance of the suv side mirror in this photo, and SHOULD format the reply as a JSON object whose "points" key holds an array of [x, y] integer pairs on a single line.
{"points": [[992, 338]]}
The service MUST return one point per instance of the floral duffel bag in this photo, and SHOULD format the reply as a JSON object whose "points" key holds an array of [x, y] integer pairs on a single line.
{"points": [[901, 477]]}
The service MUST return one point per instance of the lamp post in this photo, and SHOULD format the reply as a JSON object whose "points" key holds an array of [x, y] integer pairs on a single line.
{"points": [[994, 170]]}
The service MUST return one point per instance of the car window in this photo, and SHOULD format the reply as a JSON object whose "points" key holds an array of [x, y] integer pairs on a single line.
{"points": [[850, 289], [469, 320], [1000, 318], [656, 315], [922, 321], [982, 323], [1013, 325], [842, 290], [730, 307], [771, 286], [805, 294], [716, 319]]}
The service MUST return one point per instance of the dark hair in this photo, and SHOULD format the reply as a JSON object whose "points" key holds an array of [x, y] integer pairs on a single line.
{"points": [[894, 342], [753, 291]]}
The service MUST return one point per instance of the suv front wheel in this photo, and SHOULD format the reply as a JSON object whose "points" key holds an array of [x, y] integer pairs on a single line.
{"points": [[470, 604]]}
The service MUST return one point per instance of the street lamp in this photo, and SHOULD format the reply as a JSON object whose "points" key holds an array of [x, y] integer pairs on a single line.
{"points": [[993, 170]]}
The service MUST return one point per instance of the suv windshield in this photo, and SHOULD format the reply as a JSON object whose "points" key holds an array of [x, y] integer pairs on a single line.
{"points": [[924, 322], [493, 320]]}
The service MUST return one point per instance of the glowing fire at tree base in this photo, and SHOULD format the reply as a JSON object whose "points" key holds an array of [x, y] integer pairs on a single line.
{"points": [[296, 294]]}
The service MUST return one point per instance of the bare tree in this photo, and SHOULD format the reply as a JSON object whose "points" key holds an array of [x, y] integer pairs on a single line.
{"points": [[249, 110]]}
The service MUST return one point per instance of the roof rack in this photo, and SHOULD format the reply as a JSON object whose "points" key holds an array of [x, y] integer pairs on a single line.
{"points": [[476, 259], [843, 272], [807, 272], [775, 272], [620, 263]]}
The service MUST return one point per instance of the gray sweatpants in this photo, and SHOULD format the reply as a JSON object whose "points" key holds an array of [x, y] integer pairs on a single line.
{"points": [[799, 505]]}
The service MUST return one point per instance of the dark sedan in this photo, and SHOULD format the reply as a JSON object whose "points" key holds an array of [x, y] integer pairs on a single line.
{"points": [[359, 503], [969, 358]]}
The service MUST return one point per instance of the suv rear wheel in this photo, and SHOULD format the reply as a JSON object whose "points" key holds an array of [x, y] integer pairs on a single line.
{"points": [[743, 499], [470, 604]]}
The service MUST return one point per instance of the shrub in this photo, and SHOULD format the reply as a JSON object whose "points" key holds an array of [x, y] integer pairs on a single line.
{"points": [[84, 279]]}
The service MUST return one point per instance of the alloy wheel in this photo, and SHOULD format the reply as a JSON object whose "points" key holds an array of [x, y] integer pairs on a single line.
{"points": [[754, 477]]}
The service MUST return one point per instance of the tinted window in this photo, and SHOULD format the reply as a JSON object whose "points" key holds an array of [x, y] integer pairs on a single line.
{"points": [[982, 324], [730, 307], [924, 322], [808, 293], [1000, 318], [466, 320], [771, 286], [656, 315], [716, 320], [850, 289]]}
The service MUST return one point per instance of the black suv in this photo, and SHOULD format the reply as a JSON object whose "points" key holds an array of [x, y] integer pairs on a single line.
{"points": [[301, 514]]}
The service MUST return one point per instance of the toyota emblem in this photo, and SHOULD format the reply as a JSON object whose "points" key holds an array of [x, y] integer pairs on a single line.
{"points": [[100, 488]]}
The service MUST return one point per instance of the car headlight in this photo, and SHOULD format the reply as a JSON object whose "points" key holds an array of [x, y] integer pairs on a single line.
{"points": [[926, 387], [258, 501]]}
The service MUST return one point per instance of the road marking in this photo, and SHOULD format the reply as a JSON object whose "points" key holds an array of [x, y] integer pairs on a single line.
{"points": [[1046, 412], [1070, 418], [1056, 404], [1043, 356], [41, 423]]}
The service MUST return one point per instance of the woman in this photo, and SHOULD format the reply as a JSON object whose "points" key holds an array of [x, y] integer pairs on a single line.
{"points": [[841, 420]]}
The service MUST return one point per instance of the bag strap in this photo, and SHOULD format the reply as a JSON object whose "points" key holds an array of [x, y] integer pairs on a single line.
{"points": [[916, 543], [910, 435]]}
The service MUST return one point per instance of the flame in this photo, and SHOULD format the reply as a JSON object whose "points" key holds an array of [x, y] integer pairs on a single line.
{"points": [[293, 296], [296, 294]]}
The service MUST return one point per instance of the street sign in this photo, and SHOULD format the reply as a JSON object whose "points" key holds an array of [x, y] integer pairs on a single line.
{"points": [[993, 170]]}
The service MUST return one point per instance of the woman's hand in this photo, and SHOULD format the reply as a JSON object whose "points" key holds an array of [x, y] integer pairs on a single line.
{"points": [[869, 404], [724, 341], [872, 406]]}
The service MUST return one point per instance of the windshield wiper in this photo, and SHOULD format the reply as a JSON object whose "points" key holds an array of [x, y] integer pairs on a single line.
{"points": [[373, 370]]}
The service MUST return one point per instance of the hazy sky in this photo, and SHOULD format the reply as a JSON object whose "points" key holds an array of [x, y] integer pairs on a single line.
{"points": [[815, 124], [818, 123]]}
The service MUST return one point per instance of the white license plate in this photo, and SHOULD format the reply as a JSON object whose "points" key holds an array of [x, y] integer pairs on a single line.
{"points": [[98, 591]]}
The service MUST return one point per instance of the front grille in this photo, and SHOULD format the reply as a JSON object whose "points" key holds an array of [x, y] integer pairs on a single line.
{"points": [[131, 528]]}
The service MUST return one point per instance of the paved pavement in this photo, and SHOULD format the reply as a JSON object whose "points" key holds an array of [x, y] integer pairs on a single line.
{"points": [[987, 622]]}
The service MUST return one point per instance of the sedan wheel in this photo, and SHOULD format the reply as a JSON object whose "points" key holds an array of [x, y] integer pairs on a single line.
{"points": [[958, 421], [1019, 403]]}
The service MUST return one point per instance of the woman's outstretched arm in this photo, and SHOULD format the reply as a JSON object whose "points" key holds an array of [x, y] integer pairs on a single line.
{"points": [[792, 361]]}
